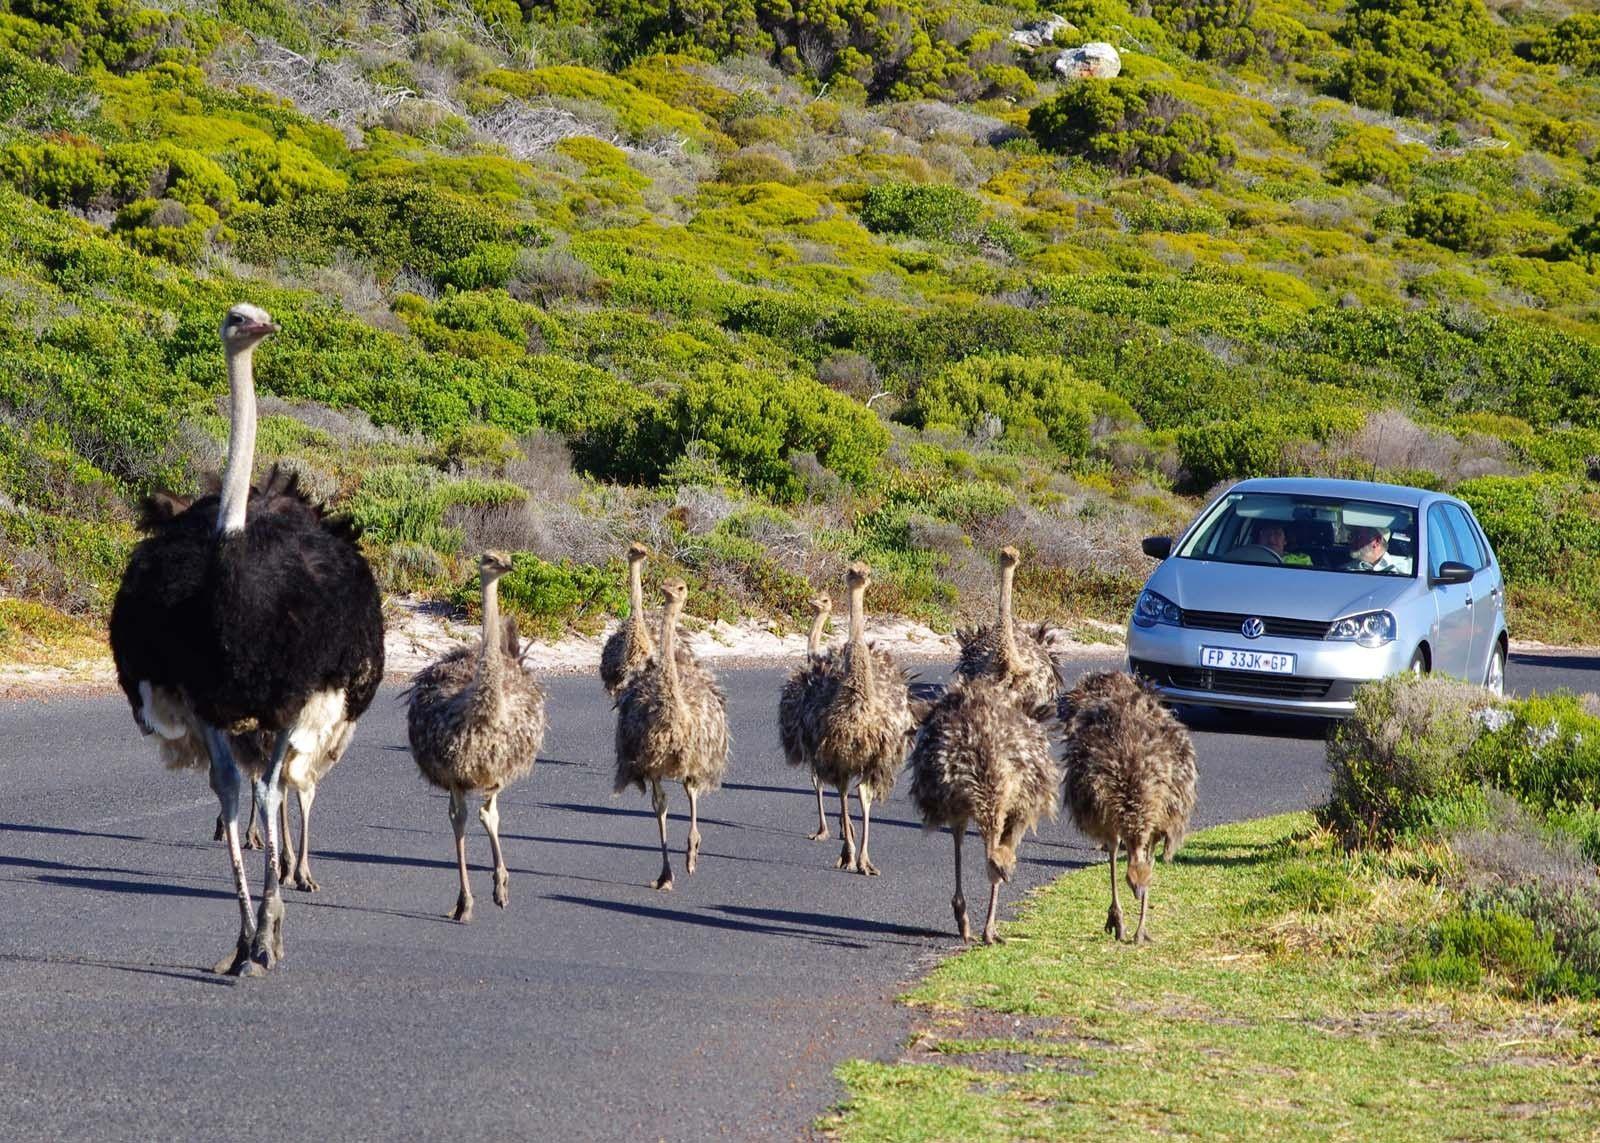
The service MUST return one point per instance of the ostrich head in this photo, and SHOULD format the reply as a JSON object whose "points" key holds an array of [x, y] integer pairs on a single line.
{"points": [[858, 575], [493, 565], [1009, 557], [1141, 856], [820, 604], [244, 326], [675, 591], [637, 552]]}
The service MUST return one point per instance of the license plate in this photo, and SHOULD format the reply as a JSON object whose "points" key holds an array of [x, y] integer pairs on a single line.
{"points": [[1235, 659]]}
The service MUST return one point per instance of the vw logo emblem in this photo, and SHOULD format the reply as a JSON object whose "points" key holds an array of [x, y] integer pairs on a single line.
{"points": [[1252, 628]]}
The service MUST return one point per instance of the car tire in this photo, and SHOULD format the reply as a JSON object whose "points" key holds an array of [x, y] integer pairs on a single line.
{"points": [[1419, 663], [1494, 677]]}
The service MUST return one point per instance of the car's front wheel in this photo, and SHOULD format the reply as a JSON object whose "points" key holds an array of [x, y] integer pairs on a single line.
{"points": [[1419, 662], [1494, 679]]}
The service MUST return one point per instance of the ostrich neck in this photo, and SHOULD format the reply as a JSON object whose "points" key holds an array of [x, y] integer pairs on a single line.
{"points": [[669, 650], [814, 640], [491, 663], [241, 443], [636, 601], [1005, 633], [859, 676]]}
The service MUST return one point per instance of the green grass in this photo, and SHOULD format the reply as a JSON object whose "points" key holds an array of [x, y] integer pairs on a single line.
{"points": [[1260, 1011]]}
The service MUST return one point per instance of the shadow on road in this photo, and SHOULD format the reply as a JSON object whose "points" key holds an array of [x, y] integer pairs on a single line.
{"points": [[703, 920], [1570, 661], [828, 920], [1215, 720]]}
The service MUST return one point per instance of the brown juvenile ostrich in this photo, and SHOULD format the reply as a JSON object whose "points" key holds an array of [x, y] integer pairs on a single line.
{"points": [[863, 723], [672, 726], [1130, 778], [630, 645], [476, 721], [982, 756], [804, 694], [995, 649]]}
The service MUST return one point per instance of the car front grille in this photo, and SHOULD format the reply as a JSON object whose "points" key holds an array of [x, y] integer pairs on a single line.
{"points": [[1275, 625], [1247, 684]]}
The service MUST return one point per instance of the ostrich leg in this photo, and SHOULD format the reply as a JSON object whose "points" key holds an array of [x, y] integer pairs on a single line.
{"points": [[958, 903], [1140, 937], [692, 854], [991, 932], [252, 838], [658, 800], [226, 781], [302, 874], [458, 822], [1114, 914], [864, 864], [489, 815], [822, 817], [267, 947], [286, 854], [847, 852]]}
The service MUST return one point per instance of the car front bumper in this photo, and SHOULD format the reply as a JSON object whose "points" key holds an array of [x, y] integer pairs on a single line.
{"points": [[1323, 685]]}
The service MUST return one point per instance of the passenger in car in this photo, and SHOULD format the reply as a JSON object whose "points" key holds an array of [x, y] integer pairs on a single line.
{"points": [[1369, 550]]}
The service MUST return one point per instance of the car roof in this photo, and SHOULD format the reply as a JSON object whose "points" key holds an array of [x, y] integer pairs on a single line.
{"points": [[1353, 489]]}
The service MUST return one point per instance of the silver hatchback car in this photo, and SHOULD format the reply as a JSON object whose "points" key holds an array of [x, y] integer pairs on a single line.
{"points": [[1286, 594]]}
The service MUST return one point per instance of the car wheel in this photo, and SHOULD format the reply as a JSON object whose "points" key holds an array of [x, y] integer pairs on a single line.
{"points": [[1419, 663], [1495, 677]]}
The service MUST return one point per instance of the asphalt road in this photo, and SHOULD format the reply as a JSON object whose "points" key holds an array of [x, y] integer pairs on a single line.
{"points": [[593, 1008]]}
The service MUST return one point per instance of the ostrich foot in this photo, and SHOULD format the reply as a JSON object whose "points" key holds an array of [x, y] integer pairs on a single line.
{"points": [[266, 949], [1114, 922], [691, 856], [865, 867], [231, 962], [991, 935], [463, 909], [252, 840], [287, 869], [502, 887], [958, 905], [847, 857], [664, 882], [303, 880], [219, 834], [820, 835]]}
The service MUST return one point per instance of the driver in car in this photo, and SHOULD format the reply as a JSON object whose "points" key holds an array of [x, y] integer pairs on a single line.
{"points": [[1273, 536], [1369, 550]]}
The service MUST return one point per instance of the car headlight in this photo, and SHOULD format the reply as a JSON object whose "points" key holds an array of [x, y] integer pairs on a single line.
{"points": [[1152, 609], [1372, 629]]}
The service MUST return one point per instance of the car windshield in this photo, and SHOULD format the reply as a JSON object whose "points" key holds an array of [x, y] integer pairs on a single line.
{"points": [[1322, 533]]}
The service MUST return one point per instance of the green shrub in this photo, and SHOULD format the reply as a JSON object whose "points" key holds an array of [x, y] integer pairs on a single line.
{"points": [[1129, 125], [1309, 887], [1415, 57], [1464, 946], [1546, 756], [1260, 443], [1402, 758], [1541, 526], [933, 211], [166, 228], [1575, 42], [549, 597], [1033, 399], [1369, 155], [1220, 30], [1454, 221]]}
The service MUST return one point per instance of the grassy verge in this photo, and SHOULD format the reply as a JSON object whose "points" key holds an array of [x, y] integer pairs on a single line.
{"points": [[1269, 1006]]}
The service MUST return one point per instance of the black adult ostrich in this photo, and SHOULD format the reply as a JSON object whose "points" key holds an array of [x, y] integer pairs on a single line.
{"points": [[249, 611]]}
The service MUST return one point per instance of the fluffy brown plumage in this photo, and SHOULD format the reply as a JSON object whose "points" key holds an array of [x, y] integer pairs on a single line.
{"points": [[1130, 778], [476, 721], [1018, 654], [630, 645], [672, 725], [982, 756], [805, 693], [863, 725]]}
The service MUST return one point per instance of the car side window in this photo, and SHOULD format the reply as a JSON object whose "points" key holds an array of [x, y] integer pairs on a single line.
{"points": [[1442, 544], [1467, 538]]}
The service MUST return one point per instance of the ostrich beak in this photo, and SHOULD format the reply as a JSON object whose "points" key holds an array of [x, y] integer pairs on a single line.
{"points": [[261, 328]]}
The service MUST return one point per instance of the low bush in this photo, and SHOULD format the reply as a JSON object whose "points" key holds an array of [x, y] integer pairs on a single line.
{"points": [[1130, 125], [933, 211], [1402, 760], [1030, 400], [549, 597]]}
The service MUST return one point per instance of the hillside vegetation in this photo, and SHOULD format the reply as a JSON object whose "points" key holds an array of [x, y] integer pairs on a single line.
{"points": [[775, 285]]}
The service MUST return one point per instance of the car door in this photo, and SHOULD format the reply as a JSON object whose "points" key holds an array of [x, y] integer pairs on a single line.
{"points": [[1452, 643], [1487, 592]]}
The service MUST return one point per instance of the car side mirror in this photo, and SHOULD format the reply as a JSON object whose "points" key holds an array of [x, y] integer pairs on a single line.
{"points": [[1157, 547], [1452, 572]]}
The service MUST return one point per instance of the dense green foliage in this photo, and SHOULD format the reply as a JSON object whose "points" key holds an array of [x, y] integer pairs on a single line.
{"points": [[778, 285]]}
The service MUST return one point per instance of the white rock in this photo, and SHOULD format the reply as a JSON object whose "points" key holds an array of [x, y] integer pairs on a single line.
{"points": [[1040, 33], [1092, 61]]}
